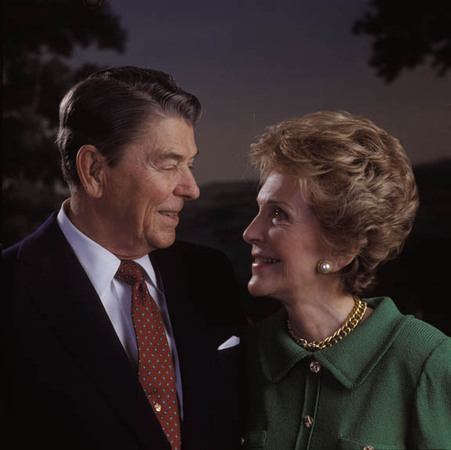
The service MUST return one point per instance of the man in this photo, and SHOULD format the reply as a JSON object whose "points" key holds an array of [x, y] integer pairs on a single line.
{"points": [[100, 279]]}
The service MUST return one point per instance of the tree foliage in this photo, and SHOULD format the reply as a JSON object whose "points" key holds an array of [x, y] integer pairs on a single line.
{"points": [[39, 37], [407, 34], [39, 40]]}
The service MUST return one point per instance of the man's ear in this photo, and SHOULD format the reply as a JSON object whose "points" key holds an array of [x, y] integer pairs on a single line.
{"points": [[91, 167]]}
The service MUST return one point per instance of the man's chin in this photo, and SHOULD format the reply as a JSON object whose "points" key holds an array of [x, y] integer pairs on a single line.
{"points": [[163, 242]]}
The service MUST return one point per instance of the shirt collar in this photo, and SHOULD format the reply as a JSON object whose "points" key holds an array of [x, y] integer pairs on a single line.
{"points": [[350, 361], [99, 264]]}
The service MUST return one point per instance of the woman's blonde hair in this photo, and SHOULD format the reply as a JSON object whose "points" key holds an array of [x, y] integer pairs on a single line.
{"points": [[357, 178]]}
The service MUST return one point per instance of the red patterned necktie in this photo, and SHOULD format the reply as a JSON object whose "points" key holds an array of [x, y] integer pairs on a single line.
{"points": [[155, 368]]}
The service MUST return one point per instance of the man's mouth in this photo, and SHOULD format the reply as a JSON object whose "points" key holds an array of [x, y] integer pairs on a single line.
{"points": [[171, 216]]}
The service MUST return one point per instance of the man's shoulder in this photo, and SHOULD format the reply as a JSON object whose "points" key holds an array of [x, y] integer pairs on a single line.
{"points": [[184, 251], [36, 242], [189, 247], [192, 262], [11, 252]]}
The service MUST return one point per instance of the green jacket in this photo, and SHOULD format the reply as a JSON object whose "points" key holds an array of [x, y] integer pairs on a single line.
{"points": [[387, 385]]}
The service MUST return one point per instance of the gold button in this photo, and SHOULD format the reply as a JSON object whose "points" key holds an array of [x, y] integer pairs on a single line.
{"points": [[157, 407], [308, 421], [315, 366], [368, 447]]}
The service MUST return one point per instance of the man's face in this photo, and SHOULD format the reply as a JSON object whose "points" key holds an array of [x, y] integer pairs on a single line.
{"points": [[146, 190]]}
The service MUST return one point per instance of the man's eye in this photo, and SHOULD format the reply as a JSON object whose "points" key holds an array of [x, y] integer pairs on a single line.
{"points": [[169, 167]]}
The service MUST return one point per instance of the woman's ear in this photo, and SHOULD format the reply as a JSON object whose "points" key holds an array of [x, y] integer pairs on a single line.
{"points": [[344, 260], [91, 166]]}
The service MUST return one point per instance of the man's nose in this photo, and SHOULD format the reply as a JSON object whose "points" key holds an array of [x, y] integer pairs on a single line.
{"points": [[188, 187]]}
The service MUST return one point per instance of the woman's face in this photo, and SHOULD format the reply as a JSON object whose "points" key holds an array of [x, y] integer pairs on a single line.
{"points": [[285, 239]]}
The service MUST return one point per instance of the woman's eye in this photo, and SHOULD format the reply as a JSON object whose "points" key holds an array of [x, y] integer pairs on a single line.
{"points": [[280, 213]]}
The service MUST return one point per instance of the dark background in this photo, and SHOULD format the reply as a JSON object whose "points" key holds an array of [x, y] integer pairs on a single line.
{"points": [[251, 63]]}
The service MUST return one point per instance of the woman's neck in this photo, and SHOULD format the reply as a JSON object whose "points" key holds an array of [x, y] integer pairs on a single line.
{"points": [[315, 318]]}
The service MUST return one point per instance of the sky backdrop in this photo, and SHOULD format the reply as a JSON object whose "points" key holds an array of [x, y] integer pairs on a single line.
{"points": [[255, 62]]}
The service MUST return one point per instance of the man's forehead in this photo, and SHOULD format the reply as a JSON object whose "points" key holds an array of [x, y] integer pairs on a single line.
{"points": [[172, 138]]}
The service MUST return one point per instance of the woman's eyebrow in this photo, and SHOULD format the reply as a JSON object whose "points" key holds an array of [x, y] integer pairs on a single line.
{"points": [[273, 201]]}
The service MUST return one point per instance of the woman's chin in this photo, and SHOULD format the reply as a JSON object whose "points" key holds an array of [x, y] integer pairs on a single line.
{"points": [[256, 289]]}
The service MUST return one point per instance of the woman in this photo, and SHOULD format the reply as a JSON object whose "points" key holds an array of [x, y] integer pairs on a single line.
{"points": [[331, 370]]}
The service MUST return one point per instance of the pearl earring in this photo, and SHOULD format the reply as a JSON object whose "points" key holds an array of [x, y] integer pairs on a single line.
{"points": [[325, 266]]}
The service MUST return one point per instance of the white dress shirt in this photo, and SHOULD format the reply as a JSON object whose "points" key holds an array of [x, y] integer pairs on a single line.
{"points": [[101, 265]]}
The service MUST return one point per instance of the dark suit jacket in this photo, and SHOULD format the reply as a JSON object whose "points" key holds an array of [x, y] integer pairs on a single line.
{"points": [[72, 385]]}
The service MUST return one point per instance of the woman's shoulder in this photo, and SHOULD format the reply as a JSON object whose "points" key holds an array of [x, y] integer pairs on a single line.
{"points": [[422, 345], [408, 328], [425, 338]]}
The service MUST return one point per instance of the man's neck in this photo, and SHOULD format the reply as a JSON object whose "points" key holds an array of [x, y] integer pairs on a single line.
{"points": [[87, 218]]}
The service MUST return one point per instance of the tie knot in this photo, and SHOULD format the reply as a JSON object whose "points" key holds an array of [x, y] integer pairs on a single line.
{"points": [[130, 272]]}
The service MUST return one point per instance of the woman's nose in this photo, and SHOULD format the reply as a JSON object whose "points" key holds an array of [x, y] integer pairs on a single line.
{"points": [[252, 233]]}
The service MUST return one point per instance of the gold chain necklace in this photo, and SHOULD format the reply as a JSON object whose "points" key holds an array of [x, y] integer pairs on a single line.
{"points": [[354, 318]]}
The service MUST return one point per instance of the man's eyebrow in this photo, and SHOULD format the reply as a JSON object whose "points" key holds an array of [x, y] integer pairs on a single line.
{"points": [[173, 155]]}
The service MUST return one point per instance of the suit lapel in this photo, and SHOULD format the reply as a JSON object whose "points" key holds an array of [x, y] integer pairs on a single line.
{"points": [[64, 295], [195, 345]]}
